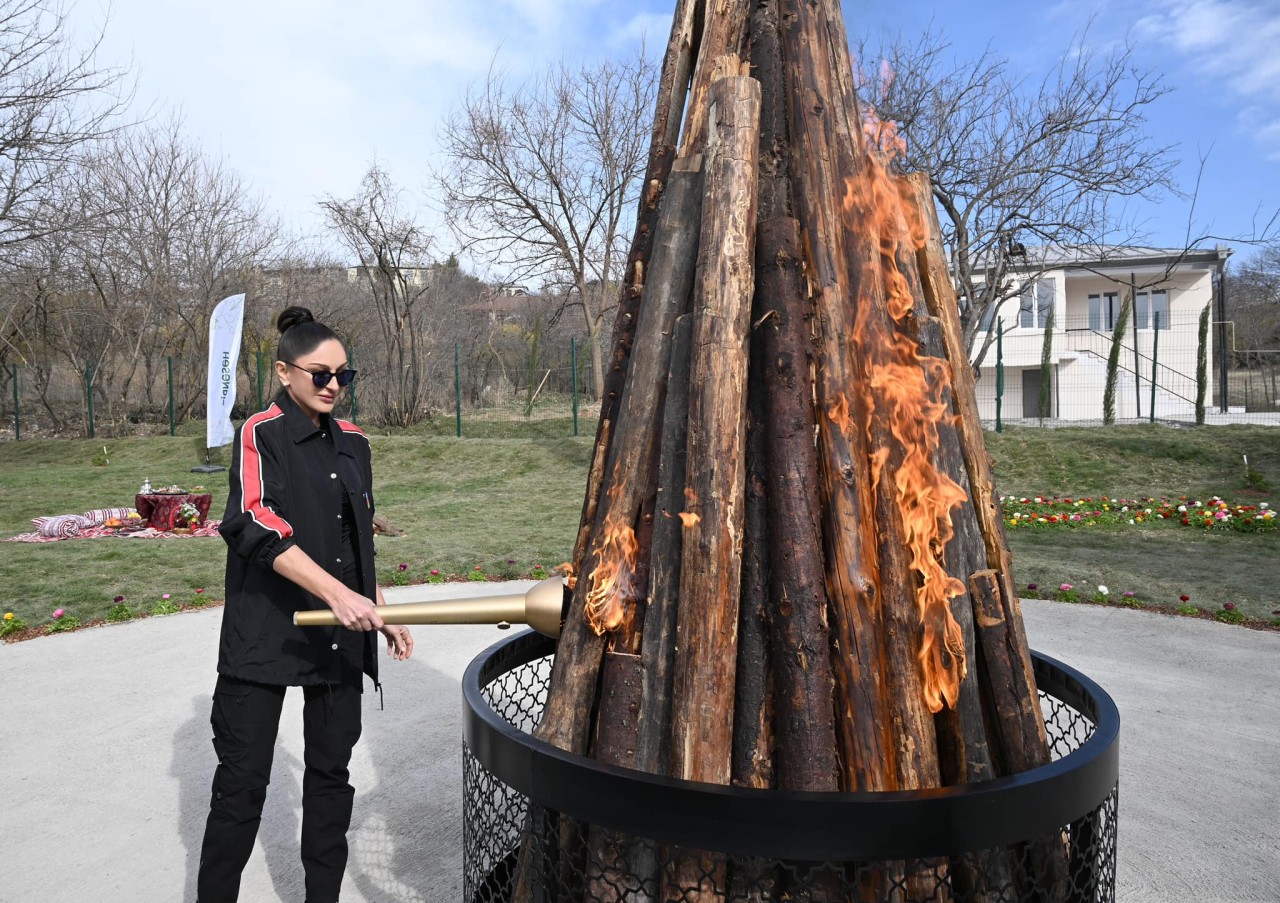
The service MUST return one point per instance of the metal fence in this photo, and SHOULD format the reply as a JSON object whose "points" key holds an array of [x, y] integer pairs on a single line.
{"points": [[1094, 372], [1086, 376], [465, 393]]}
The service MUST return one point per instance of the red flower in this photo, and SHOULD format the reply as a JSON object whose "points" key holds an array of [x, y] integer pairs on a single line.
{"points": [[119, 599], [199, 591], [1185, 598], [1229, 606]]}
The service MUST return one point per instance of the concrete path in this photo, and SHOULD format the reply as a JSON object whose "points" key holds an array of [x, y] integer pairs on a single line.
{"points": [[104, 746]]}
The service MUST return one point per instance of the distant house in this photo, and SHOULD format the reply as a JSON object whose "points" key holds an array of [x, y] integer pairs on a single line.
{"points": [[1085, 290], [506, 304]]}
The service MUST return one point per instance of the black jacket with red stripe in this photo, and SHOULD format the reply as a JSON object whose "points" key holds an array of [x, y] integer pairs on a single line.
{"points": [[287, 480]]}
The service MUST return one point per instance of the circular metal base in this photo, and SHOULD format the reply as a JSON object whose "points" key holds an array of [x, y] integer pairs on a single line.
{"points": [[542, 824]]}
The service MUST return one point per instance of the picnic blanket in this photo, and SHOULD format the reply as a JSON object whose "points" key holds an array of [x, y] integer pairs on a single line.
{"points": [[210, 528]]}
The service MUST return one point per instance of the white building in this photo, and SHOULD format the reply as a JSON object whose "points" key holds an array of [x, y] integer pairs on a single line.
{"points": [[1085, 292]]}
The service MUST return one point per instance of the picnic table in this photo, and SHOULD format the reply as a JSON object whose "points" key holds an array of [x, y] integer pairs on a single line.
{"points": [[158, 508]]}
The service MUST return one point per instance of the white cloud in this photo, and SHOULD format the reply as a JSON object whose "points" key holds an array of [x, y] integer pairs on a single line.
{"points": [[1229, 41]]}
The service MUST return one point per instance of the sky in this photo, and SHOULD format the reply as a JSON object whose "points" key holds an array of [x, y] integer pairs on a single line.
{"points": [[300, 96]]}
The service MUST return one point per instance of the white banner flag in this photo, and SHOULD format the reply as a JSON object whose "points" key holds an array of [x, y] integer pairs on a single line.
{"points": [[224, 351]]}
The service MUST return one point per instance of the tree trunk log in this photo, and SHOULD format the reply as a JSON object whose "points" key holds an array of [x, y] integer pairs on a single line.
{"points": [[861, 716], [658, 642], [720, 55], [1025, 745], [752, 761], [711, 566]]}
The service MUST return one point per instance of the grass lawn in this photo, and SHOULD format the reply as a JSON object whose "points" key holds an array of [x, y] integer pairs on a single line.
{"points": [[507, 504]]}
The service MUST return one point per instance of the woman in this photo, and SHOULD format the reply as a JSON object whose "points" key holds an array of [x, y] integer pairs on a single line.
{"points": [[299, 527]]}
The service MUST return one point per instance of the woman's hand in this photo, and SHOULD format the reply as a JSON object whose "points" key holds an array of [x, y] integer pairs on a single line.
{"points": [[399, 641], [354, 611]]}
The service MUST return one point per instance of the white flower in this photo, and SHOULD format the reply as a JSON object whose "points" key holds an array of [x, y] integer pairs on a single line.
{"points": [[1102, 590], [1264, 505], [1131, 520], [1182, 509]]}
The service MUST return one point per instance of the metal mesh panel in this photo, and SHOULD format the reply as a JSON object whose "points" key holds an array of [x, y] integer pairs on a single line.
{"points": [[517, 849]]}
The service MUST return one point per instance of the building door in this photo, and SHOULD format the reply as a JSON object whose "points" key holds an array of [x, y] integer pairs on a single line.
{"points": [[1031, 394]]}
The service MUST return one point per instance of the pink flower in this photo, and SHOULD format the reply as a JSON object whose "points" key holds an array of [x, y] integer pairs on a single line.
{"points": [[1229, 606], [165, 596], [1066, 587], [435, 573], [199, 591], [57, 613], [1128, 594]]}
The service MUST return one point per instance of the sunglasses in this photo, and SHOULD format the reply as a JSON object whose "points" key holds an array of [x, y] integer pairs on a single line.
{"points": [[320, 378]]}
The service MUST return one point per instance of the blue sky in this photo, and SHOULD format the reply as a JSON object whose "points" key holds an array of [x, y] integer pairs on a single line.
{"points": [[299, 96]]}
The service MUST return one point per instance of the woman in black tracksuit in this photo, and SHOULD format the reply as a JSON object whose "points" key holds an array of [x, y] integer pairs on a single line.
{"points": [[299, 531]]}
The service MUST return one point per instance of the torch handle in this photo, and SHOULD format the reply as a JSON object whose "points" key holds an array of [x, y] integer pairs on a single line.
{"points": [[479, 610], [543, 608]]}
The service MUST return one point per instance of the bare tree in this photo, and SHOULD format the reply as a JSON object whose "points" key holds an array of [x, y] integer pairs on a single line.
{"points": [[55, 103], [1016, 165], [155, 235], [396, 269], [544, 176]]}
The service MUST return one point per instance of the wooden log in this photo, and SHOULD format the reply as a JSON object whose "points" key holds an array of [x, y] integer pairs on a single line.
{"points": [[848, 526], [609, 876], [1040, 872], [805, 756], [710, 573], [751, 764], [658, 636], [721, 53], [1026, 744], [658, 641], [806, 737]]}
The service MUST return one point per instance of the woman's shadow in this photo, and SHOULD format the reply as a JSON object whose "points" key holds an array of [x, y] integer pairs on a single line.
{"points": [[193, 764], [406, 830]]}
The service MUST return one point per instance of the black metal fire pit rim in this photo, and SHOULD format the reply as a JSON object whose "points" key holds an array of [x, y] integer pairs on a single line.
{"points": [[791, 825]]}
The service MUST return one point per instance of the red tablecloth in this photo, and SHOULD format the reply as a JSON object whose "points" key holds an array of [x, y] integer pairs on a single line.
{"points": [[158, 509]]}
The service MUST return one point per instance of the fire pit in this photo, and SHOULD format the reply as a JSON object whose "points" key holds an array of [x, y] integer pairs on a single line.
{"points": [[542, 824]]}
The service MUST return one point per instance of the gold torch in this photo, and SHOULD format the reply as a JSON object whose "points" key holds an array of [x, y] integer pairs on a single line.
{"points": [[542, 608]]}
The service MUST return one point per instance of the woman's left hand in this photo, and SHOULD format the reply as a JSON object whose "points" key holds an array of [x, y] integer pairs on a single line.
{"points": [[399, 641]]}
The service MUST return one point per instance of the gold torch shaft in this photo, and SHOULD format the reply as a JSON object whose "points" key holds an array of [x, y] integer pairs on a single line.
{"points": [[542, 608]]}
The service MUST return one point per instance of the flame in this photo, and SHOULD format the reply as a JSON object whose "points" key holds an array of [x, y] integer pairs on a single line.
{"points": [[689, 519], [567, 570], [613, 580], [910, 392]]}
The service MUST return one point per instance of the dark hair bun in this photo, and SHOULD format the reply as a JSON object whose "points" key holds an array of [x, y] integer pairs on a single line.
{"points": [[293, 316]]}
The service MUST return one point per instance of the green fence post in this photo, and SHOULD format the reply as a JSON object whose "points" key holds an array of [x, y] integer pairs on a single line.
{"points": [[457, 387], [1155, 354], [572, 357], [999, 373], [17, 421], [259, 380], [88, 382], [172, 423]]}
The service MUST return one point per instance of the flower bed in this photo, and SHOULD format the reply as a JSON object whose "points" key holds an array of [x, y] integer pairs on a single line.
{"points": [[1216, 514]]}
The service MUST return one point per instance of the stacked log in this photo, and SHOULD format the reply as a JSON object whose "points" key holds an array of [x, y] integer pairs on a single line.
{"points": [[791, 570]]}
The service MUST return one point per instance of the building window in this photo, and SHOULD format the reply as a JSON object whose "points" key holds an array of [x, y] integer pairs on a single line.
{"points": [[1034, 305], [1148, 305], [1104, 310]]}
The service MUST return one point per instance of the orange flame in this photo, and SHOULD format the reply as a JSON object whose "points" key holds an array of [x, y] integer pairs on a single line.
{"points": [[566, 570], [613, 580], [909, 391], [689, 519]]}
